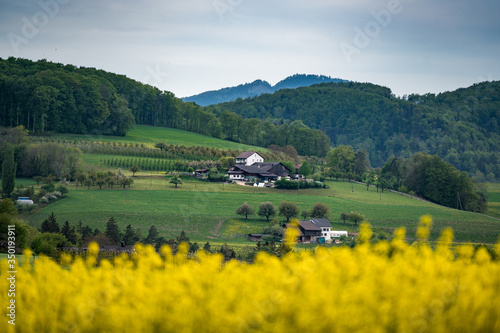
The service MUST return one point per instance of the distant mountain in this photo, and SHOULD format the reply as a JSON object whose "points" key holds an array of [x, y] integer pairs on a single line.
{"points": [[256, 88]]}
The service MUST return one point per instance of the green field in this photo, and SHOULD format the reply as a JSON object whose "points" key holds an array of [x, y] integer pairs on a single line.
{"points": [[494, 200], [150, 135], [206, 211]]}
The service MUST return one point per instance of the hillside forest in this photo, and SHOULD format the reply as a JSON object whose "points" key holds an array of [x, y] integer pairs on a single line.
{"points": [[460, 126], [47, 97], [420, 144]]}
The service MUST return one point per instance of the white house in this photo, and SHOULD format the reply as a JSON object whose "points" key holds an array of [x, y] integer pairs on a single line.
{"points": [[325, 226], [248, 158]]}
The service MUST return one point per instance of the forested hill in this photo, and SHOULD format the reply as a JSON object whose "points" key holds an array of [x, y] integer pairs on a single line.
{"points": [[48, 97], [460, 126], [257, 88]]}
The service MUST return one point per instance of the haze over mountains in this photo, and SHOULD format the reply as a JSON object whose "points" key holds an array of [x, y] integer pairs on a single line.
{"points": [[256, 88]]}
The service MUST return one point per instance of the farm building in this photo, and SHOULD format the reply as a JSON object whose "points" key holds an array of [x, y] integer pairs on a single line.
{"points": [[200, 172], [325, 226], [308, 231], [255, 237], [258, 169], [248, 158]]}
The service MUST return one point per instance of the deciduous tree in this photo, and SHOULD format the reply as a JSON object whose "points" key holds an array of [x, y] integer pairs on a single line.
{"points": [[288, 210], [320, 211], [267, 210], [245, 209]]}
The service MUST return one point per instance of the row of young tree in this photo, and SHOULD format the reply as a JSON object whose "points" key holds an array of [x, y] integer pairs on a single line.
{"points": [[285, 209], [49, 97]]}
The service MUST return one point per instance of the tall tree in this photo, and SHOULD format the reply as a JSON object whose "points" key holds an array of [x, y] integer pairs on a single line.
{"points": [[50, 224], [305, 169], [320, 210], [288, 210], [267, 209], [8, 170], [176, 180], [113, 231], [69, 232], [245, 209], [128, 236], [152, 235]]}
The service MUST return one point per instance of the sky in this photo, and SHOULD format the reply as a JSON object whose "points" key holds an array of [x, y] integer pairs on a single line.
{"points": [[191, 46]]}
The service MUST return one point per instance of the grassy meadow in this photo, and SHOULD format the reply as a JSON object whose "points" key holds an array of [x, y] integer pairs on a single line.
{"points": [[206, 211], [494, 200], [150, 135]]}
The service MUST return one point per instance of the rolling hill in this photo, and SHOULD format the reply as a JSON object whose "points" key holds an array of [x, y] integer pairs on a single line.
{"points": [[460, 126]]}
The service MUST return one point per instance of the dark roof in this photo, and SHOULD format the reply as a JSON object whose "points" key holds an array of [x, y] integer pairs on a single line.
{"points": [[250, 169], [322, 223], [308, 225], [268, 165], [247, 154]]}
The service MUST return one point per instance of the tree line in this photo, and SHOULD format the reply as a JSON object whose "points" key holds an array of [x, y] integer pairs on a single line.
{"points": [[460, 126], [424, 175], [48, 97]]}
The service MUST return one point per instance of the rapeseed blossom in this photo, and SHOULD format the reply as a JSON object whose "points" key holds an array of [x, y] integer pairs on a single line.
{"points": [[382, 287]]}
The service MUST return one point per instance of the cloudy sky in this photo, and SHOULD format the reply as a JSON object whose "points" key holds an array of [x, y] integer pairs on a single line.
{"points": [[190, 46]]}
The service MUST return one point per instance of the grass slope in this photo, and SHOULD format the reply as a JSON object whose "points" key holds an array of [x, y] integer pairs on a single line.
{"points": [[206, 211], [494, 200], [150, 135]]}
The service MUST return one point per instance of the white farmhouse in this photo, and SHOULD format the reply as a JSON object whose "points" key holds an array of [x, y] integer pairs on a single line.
{"points": [[325, 226], [248, 158]]}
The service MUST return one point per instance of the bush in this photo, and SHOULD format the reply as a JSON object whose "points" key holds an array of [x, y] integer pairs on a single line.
{"points": [[62, 190], [47, 243], [300, 184]]}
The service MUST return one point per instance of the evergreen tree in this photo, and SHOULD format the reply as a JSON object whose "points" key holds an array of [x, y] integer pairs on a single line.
{"points": [[152, 236], [113, 231], [207, 247], [86, 232], [50, 224], [8, 170], [182, 238], [129, 235], [69, 232]]}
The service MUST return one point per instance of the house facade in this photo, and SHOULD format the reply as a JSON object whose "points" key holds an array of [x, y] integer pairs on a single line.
{"points": [[248, 158], [326, 227]]}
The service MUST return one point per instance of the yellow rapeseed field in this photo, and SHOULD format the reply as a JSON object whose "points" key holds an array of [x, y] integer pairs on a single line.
{"points": [[382, 287]]}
